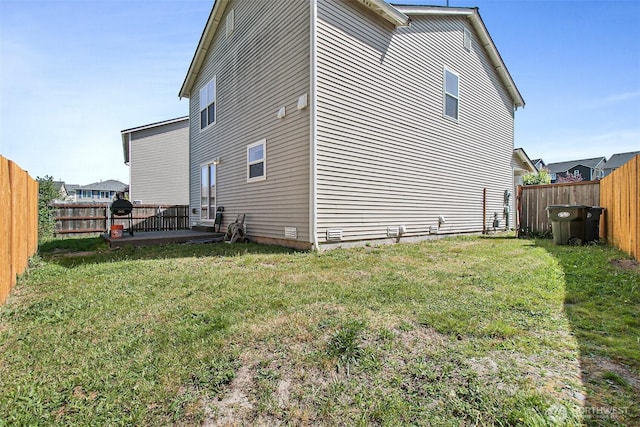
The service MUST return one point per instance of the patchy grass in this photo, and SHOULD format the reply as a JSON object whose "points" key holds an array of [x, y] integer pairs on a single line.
{"points": [[471, 331]]}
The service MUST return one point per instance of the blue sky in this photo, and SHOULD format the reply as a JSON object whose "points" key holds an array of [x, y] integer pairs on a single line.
{"points": [[73, 74]]}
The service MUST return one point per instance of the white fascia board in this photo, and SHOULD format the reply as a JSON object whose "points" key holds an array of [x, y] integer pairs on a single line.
{"points": [[434, 10], [487, 43], [496, 59], [203, 46], [388, 12]]}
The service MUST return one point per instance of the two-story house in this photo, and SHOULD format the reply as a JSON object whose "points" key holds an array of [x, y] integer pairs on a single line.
{"points": [[331, 122], [158, 158]]}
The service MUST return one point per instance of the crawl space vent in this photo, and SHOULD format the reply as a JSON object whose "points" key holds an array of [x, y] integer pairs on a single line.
{"points": [[334, 234], [290, 232]]}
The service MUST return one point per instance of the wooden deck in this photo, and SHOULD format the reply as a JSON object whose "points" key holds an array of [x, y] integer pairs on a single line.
{"points": [[145, 238]]}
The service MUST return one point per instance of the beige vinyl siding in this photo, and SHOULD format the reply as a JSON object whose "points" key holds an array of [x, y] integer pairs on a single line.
{"points": [[387, 156], [262, 66], [159, 164]]}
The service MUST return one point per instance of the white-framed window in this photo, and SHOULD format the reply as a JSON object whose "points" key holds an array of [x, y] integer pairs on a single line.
{"points": [[451, 94], [230, 22], [466, 40], [208, 191], [208, 104], [257, 161], [576, 172]]}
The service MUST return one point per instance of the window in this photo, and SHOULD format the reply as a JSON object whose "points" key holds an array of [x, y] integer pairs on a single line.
{"points": [[208, 104], [576, 172], [451, 100], [256, 161], [208, 191]]}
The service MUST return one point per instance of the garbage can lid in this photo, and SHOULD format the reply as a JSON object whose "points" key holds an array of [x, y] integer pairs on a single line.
{"points": [[566, 206]]}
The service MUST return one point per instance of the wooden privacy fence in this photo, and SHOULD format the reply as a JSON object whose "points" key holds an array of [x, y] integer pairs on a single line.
{"points": [[91, 218], [18, 223], [533, 199], [620, 196]]}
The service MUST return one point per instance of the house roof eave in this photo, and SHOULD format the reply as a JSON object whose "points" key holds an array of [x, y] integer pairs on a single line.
{"points": [[126, 133], [485, 38], [525, 160], [380, 7], [203, 46], [387, 11]]}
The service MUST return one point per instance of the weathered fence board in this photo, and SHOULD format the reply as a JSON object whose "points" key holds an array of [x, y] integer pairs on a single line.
{"points": [[620, 196], [92, 218], [533, 200], [18, 223]]}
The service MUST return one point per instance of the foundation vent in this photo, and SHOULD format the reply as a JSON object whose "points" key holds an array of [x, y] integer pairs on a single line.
{"points": [[290, 232], [334, 234]]}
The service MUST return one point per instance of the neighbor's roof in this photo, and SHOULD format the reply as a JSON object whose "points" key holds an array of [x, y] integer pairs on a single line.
{"points": [[620, 159], [565, 166], [525, 160], [398, 15], [127, 132], [108, 185]]}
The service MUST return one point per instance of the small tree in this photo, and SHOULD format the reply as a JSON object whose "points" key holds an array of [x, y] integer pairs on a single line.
{"points": [[542, 177], [47, 193], [569, 177]]}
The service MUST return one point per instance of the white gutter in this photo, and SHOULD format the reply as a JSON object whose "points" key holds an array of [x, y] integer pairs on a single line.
{"points": [[434, 10], [388, 12], [313, 122]]}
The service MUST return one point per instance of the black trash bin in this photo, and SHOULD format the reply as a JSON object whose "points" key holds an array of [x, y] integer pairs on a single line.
{"points": [[567, 223], [592, 224]]}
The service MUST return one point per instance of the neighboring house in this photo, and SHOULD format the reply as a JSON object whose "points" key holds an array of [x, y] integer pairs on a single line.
{"points": [[539, 164], [63, 193], [100, 192], [617, 160], [589, 169], [329, 122], [522, 166], [71, 191], [158, 159]]}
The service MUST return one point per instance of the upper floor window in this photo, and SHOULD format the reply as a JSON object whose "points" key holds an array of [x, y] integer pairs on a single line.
{"points": [[451, 99], [208, 104], [256, 161]]}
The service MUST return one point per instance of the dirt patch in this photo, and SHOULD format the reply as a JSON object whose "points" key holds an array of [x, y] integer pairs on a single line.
{"points": [[235, 405], [64, 253], [595, 367], [625, 264]]}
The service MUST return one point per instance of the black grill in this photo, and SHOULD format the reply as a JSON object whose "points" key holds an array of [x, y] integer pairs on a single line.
{"points": [[122, 207]]}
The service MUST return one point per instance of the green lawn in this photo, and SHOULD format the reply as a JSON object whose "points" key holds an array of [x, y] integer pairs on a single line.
{"points": [[462, 331]]}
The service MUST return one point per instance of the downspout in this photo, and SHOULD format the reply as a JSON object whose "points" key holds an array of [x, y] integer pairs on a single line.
{"points": [[313, 151]]}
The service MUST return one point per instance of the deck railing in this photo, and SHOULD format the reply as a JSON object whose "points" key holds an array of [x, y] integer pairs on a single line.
{"points": [[80, 219]]}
